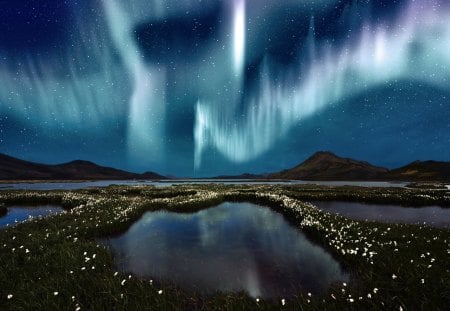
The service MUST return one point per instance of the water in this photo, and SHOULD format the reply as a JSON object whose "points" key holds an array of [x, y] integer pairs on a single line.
{"points": [[18, 213], [168, 183], [231, 247], [434, 216], [69, 185]]}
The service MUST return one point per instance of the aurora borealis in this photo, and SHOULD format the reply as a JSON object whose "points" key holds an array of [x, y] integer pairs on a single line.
{"points": [[202, 88]]}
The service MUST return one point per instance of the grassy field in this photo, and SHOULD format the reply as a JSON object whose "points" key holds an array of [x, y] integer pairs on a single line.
{"points": [[56, 263]]}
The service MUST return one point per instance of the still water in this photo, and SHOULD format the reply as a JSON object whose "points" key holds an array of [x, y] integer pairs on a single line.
{"points": [[434, 216], [168, 183], [19, 213], [231, 247]]}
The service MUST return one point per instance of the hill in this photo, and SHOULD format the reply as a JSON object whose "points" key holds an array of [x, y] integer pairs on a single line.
{"points": [[421, 171], [16, 169], [328, 166]]}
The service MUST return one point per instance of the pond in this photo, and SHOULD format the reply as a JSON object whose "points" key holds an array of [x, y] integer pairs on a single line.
{"points": [[19, 213], [231, 247], [434, 216]]}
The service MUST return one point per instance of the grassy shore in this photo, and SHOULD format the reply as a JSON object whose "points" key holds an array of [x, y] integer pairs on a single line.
{"points": [[56, 263]]}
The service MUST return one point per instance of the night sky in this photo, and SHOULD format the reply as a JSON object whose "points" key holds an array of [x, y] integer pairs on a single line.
{"points": [[209, 87]]}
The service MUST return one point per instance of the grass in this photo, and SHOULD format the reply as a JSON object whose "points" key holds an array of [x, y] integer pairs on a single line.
{"points": [[427, 185], [3, 210], [56, 263]]}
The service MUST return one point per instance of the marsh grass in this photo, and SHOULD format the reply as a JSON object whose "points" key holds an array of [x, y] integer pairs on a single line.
{"points": [[392, 266], [3, 210]]}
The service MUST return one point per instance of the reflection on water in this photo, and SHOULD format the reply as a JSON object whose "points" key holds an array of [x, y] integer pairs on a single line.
{"points": [[168, 183], [434, 216], [231, 247], [20, 213]]}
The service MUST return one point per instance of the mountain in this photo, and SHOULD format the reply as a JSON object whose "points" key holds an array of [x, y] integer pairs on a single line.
{"points": [[320, 166], [16, 169], [328, 166], [421, 171]]}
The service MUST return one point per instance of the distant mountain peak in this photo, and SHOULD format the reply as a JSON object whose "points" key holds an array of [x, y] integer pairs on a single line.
{"points": [[325, 165], [79, 162], [15, 169], [322, 155]]}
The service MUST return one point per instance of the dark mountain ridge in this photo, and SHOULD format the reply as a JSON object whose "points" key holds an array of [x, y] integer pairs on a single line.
{"points": [[16, 169], [325, 165], [321, 166], [421, 171]]}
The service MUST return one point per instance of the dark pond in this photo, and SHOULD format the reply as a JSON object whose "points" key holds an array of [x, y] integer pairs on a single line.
{"points": [[18, 213], [434, 216], [231, 247]]}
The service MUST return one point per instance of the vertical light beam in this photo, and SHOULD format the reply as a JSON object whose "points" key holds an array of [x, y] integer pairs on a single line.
{"points": [[239, 36]]}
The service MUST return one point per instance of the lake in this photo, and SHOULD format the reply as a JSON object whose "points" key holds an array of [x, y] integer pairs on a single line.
{"points": [[168, 183], [434, 216], [231, 247], [19, 213]]}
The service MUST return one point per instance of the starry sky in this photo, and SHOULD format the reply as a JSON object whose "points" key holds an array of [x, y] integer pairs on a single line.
{"points": [[210, 87]]}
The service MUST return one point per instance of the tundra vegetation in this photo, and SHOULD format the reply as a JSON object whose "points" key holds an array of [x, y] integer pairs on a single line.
{"points": [[58, 263]]}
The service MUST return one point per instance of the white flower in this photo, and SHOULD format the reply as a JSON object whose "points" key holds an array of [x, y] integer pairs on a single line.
{"points": [[160, 292], [9, 296], [55, 293], [422, 281], [283, 302], [394, 276], [257, 299], [123, 282]]}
